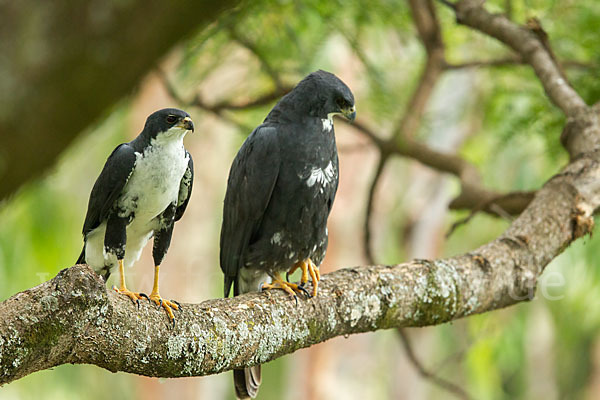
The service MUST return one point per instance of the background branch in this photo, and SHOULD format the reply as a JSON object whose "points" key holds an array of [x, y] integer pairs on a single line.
{"points": [[264, 62], [369, 252], [425, 373], [81, 63], [529, 46]]}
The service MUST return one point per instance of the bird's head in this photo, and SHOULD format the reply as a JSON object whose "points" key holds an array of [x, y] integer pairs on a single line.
{"points": [[327, 95], [168, 123]]}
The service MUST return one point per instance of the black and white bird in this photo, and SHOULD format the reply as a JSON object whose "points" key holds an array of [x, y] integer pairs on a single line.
{"points": [[280, 191], [143, 189]]}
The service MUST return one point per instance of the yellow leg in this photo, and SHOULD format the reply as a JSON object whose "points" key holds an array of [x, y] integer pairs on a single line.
{"points": [[308, 268], [303, 268], [315, 275], [122, 289], [169, 306], [288, 287]]}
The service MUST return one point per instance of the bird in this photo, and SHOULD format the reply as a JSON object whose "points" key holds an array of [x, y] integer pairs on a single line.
{"points": [[143, 189], [280, 191]]}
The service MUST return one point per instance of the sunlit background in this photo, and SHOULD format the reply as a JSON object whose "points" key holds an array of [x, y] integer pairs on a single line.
{"points": [[498, 118]]}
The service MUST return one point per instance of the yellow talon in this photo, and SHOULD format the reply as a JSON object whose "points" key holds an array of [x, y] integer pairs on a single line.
{"points": [[302, 265], [169, 306], [288, 287], [134, 296], [315, 275], [308, 268], [122, 289]]}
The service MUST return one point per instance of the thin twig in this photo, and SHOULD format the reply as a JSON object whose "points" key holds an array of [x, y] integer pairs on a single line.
{"points": [[369, 209], [371, 69], [260, 101], [535, 26], [505, 206], [510, 61], [531, 46], [501, 62], [579, 64], [198, 102], [362, 128], [495, 207], [448, 4], [433, 378], [430, 35], [508, 9], [451, 359], [270, 70]]}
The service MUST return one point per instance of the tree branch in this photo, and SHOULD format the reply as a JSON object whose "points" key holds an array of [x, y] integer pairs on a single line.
{"points": [[430, 34], [508, 61], [478, 200], [73, 318], [219, 108], [472, 197], [425, 373], [533, 48], [77, 60], [529, 47], [198, 102], [369, 253], [260, 101], [266, 65], [507, 205], [500, 62]]}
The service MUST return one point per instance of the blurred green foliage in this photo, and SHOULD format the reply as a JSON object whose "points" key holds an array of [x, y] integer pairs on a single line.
{"points": [[493, 356]]}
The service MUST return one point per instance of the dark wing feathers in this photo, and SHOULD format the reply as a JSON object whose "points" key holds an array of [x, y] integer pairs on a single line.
{"points": [[185, 188], [108, 186], [251, 181]]}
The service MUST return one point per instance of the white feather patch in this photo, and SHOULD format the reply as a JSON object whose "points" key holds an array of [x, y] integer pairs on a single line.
{"points": [[322, 176], [276, 238], [327, 123]]}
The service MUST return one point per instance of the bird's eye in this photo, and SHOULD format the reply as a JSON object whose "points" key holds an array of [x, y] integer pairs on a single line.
{"points": [[341, 103], [171, 119]]}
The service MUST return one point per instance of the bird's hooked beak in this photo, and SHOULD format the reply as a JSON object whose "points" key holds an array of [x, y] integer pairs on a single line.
{"points": [[349, 113], [186, 124]]}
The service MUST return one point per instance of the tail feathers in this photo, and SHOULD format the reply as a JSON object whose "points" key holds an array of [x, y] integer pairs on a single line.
{"points": [[105, 272], [246, 382], [81, 259]]}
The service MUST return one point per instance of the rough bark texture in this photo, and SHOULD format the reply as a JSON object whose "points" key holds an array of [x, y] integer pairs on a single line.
{"points": [[63, 63], [73, 318]]}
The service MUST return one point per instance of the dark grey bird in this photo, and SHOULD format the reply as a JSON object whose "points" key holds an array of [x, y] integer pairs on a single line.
{"points": [[280, 191], [143, 189]]}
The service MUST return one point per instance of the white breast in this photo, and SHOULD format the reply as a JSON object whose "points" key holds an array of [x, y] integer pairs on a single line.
{"points": [[154, 183]]}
